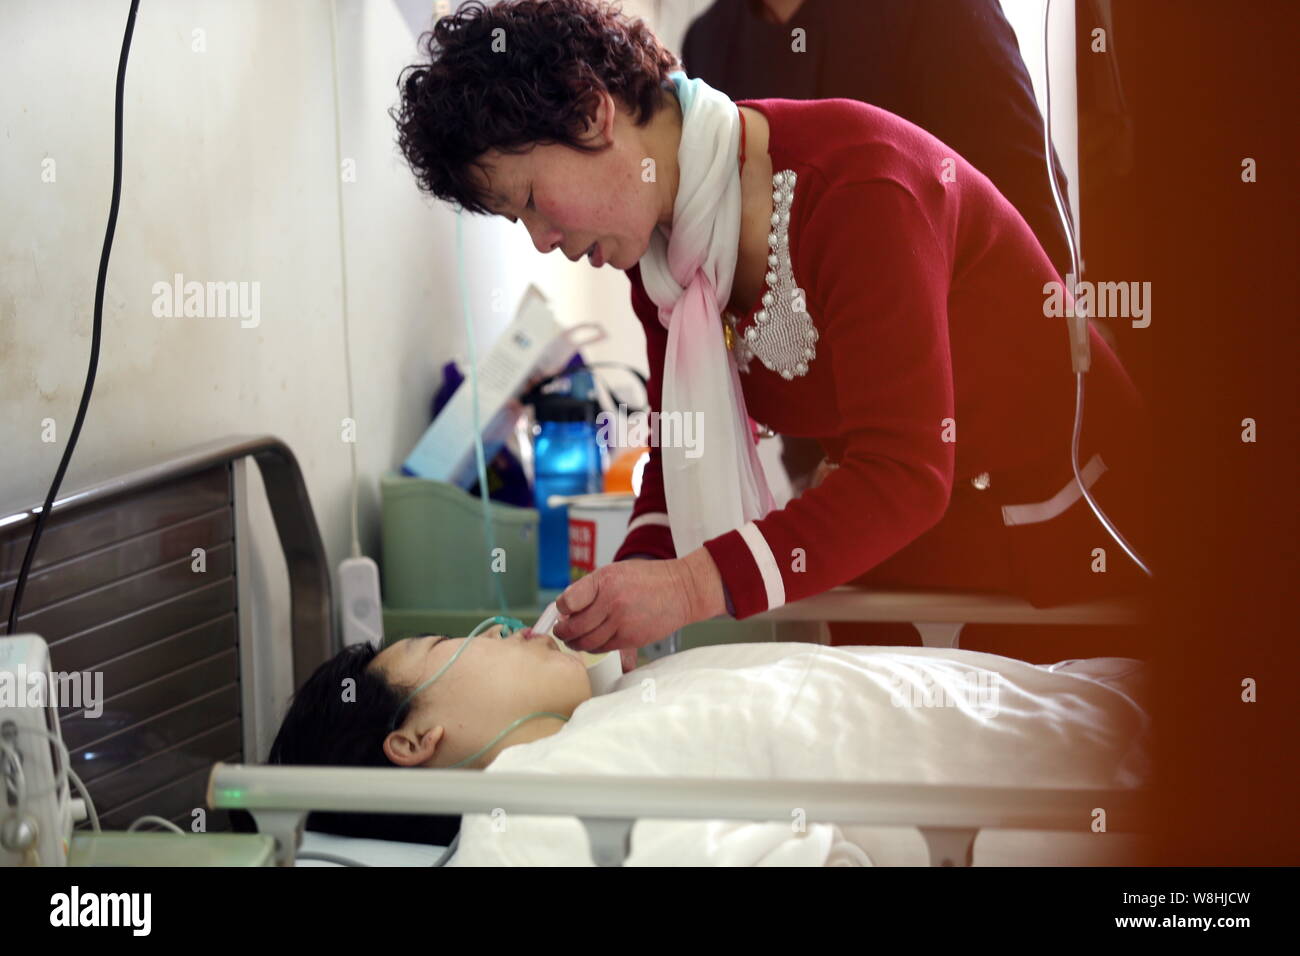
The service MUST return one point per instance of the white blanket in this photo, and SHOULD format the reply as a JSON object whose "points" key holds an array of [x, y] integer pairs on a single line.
{"points": [[805, 711]]}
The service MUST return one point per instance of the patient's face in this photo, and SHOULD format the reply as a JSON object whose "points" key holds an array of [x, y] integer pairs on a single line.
{"points": [[492, 684]]}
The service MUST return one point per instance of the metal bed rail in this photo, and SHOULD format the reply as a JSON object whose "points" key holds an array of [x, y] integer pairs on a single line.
{"points": [[939, 616], [311, 615], [948, 817]]}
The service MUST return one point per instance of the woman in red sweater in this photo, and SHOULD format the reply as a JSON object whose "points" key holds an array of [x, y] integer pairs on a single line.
{"points": [[822, 267]]}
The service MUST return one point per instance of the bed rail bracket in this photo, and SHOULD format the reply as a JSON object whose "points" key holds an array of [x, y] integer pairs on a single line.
{"points": [[610, 839], [950, 846], [285, 827], [939, 633]]}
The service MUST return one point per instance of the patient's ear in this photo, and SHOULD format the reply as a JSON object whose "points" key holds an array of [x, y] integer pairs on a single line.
{"points": [[407, 749]]}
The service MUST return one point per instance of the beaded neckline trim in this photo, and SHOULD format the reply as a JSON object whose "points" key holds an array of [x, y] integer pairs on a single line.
{"points": [[783, 336]]}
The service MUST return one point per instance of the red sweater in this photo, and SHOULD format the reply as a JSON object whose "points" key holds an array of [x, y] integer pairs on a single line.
{"points": [[938, 385]]}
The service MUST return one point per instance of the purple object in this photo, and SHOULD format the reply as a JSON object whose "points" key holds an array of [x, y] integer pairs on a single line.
{"points": [[507, 482]]}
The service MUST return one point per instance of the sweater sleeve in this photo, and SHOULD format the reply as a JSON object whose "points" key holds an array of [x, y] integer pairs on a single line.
{"points": [[876, 280], [648, 532]]}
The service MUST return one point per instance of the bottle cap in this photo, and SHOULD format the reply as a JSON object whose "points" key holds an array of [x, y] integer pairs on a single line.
{"points": [[566, 408]]}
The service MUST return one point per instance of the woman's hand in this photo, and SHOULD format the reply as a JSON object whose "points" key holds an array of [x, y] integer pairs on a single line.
{"points": [[632, 603]]}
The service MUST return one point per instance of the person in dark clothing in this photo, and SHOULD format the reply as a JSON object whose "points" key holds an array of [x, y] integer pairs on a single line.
{"points": [[952, 67]]}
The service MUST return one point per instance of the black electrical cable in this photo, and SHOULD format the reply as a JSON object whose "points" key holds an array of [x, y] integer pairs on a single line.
{"points": [[97, 328]]}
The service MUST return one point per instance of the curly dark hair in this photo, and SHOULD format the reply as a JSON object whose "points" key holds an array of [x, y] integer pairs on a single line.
{"points": [[516, 74]]}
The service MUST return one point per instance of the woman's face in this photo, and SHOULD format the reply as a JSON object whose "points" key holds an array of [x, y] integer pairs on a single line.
{"points": [[492, 684], [611, 200]]}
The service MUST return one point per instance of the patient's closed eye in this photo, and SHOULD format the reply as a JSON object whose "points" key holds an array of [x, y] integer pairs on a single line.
{"points": [[425, 643]]}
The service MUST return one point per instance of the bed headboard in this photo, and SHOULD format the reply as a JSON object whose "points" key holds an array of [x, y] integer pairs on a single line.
{"points": [[135, 582]]}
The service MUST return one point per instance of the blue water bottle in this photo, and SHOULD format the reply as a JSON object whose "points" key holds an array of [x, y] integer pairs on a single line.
{"points": [[567, 461]]}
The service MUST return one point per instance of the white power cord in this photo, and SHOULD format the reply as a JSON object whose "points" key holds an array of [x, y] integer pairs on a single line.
{"points": [[67, 778], [85, 795], [358, 596], [343, 263], [156, 821], [15, 761], [12, 760]]}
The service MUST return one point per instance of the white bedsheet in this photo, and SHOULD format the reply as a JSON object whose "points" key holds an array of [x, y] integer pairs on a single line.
{"points": [[802, 711]]}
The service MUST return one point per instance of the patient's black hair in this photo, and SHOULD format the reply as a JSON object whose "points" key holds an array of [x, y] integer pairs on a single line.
{"points": [[340, 716], [332, 723]]}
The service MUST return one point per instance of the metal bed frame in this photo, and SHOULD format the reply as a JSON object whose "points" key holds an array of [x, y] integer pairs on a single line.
{"points": [[939, 616], [311, 610], [148, 581], [948, 817]]}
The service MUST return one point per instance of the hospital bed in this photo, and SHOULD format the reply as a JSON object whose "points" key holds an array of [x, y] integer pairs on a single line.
{"points": [[113, 588]]}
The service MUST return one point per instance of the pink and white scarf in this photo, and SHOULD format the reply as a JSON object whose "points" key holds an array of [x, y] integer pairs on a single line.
{"points": [[688, 276]]}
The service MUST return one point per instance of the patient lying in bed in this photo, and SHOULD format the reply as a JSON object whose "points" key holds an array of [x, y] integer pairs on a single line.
{"points": [[756, 711], [351, 713]]}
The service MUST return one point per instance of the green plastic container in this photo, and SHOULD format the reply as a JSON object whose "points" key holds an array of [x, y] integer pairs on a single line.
{"points": [[123, 848], [435, 555]]}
